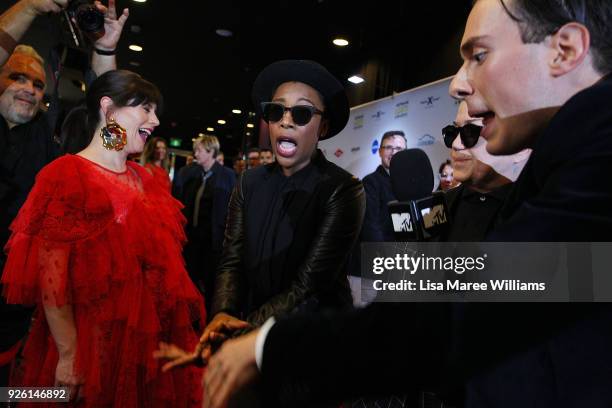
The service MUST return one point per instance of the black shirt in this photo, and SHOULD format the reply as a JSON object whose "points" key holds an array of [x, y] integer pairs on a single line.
{"points": [[474, 214], [24, 150]]}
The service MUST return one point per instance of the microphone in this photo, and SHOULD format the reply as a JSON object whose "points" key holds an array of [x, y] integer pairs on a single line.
{"points": [[419, 214]]}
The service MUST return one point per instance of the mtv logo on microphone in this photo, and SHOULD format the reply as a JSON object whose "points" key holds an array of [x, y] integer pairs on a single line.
{"points": [[401, 222], [434, 216]]}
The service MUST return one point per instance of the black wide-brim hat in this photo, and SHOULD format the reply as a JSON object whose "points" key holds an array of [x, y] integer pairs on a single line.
{"points": [[310, 73]]}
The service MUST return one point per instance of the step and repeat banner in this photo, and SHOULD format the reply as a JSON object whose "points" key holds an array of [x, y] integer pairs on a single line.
{"points": [[421, 113]]}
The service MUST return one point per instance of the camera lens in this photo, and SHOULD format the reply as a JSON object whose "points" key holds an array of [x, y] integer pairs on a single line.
{"points": [[90, 19]]}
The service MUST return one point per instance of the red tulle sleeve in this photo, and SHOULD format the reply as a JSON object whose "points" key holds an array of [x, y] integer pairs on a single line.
{"points": [[57, 215]]}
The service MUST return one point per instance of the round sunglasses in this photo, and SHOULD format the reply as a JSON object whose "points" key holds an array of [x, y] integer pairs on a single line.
{"points": [[301, 114], [469, 134]]}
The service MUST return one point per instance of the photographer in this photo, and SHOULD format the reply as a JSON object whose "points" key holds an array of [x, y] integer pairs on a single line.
{"points": [[26, 133]]}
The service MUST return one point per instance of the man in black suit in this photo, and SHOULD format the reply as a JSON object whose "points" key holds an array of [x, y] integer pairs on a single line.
{"points": [[538, 73], [206, 194], [377, 226]]}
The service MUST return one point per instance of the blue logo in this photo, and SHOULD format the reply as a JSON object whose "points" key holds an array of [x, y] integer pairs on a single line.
{"points": [[378, 114], [429, 101], [426, 140], [375, 147]]}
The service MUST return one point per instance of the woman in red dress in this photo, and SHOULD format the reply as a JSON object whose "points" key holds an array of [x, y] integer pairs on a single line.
{"points": [[97, 247], [155, 159]]}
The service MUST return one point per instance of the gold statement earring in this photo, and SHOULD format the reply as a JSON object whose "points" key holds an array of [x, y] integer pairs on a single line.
{"points": [[114, 137]]}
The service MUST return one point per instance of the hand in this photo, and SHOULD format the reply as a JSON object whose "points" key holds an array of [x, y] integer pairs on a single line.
{"points": [[65, 376], [39, 7], [218, 330], [113, 26], [177, 356], [230, 370]]}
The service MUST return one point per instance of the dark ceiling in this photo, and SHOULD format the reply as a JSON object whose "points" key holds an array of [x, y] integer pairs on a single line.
{"points": [[397, 45]]}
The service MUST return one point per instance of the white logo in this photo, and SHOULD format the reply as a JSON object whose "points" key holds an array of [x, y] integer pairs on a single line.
{"points": [[401, 222], [433, 216]]}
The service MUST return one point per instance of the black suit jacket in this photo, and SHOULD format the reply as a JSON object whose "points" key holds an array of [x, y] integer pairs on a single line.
{"points": [[377, 225], [222, 183], [512, 355]]}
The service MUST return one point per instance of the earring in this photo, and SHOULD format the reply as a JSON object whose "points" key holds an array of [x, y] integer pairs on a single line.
{"points": [[114, 137]]}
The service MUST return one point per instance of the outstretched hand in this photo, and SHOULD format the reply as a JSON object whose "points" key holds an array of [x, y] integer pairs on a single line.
{"points": [[217, 331], [177, 356]]}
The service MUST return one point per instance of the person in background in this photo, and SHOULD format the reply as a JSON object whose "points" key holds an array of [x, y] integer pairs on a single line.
{"points": [[266, 156], [377, 225], [445, 175], [206, 195], [239, 164], [154, 158], [486, 180], [221, 158], [253, 158]]}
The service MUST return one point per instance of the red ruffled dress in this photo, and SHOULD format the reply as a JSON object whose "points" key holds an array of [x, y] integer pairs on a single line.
{"points": [[109, 244], [160, 175]]}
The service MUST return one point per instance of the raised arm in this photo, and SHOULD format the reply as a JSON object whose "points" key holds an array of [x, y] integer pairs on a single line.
{"points": [[15, 21], [107, 44]]}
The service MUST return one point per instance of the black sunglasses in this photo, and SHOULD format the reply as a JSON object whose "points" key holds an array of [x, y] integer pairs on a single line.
{"points": [[469, 134], [301, 114]]}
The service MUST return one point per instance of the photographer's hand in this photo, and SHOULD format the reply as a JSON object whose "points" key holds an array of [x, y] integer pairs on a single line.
{"points": [[113, 27], [15, 21], [39, 7]]}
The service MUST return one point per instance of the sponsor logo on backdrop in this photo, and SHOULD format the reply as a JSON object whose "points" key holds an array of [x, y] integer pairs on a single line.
{"points": [[375, 147], [338, 153], [426, 140], [378, 115], [430, 101], [401, 109], [358, 122], [355, 149]]}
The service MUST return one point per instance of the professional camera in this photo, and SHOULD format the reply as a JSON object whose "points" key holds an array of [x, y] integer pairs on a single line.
{"points": [[89, 20]]}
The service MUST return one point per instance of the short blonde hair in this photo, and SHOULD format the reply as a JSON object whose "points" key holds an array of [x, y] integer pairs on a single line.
{"points": [[208, 142]]}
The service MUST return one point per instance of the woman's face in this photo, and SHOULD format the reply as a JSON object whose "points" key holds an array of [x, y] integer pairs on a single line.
{"points": [[160, 150], [294, 145], [139, 122], [446, 178]]}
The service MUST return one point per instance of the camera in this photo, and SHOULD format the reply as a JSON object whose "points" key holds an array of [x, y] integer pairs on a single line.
{"points": [[89, 20]]}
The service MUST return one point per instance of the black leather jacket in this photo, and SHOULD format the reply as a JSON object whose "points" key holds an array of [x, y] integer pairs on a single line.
{"points": [[287, 241]]}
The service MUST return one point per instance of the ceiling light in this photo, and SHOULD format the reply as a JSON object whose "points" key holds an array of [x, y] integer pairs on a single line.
{"points": [[248, 133], [250, 125], [236, 111], [209, 129], [224, 32], [200, 135], [221, 122], [356, 79], [135, 47], [340, 42], [140, 1]]}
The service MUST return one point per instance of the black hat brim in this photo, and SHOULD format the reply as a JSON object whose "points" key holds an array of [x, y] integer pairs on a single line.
{"points": [[310, 73]]}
